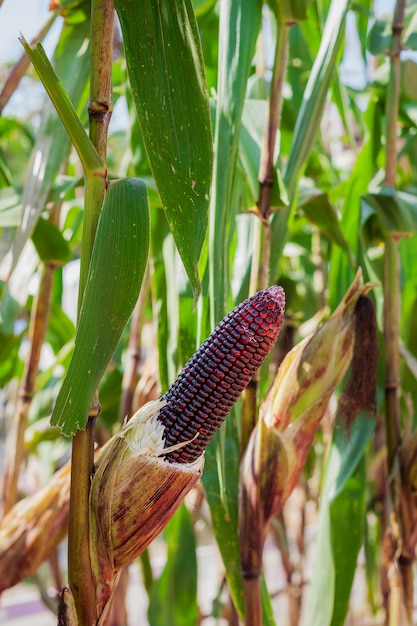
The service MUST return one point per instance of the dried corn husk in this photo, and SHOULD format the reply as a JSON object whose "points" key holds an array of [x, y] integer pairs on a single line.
{"points": [[33, 528], [313, 368], [289, 418], [134, 493]]}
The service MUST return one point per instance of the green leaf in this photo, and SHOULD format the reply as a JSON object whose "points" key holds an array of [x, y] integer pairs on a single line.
{"points": [[410, 31], [61, 330], [166, 73], [341, 269], [395, 217], [114, 280], [110, 393], [224, 513], [71, 64], [9, 356], [225, 519], [321, 212], [49, 243], [10, 207], [166, 317], [240, 22], [65, 108], [314, 97], [250, 145], [292, 11], [308, 118], [173, 597], [341, 525], [362, 9], [380, 35], [347, 515]]}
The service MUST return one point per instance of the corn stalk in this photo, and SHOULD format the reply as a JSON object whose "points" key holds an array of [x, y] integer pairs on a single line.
{"points": [[399, 572]]}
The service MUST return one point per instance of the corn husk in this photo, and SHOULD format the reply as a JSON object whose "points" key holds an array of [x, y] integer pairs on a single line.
{"points": [[313, 368], [33, 528], [289, 418], [67, 613], [134, 493]]}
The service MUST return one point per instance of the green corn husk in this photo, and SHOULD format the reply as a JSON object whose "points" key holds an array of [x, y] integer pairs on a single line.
{"points": [[289, 418], [134, 493]]}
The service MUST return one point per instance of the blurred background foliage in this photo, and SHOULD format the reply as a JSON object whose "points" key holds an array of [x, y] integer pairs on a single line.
{"points": [[336, 204]]}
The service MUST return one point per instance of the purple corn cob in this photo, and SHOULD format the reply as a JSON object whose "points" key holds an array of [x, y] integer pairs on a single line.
{"points": [[213, 379]]}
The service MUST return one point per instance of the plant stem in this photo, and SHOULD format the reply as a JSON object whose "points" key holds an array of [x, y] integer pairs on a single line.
{"points": [[392, 357], [79, 564], [262, 252], [146, 570], [253, 605], [391, 259], [130, 375], [100, 107], [79, 569], [266, 169], [260, 272], [392, 308]]}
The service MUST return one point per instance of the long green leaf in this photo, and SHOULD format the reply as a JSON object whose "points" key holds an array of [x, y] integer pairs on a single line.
{"points": [[341, 525], [308, 119], [64, 107], [319, 210], [225, 516], [173, 597], [240, 22], [114, 280], [341, 269], [71, 64], [50, 243], [166, 316], [166, 73]]}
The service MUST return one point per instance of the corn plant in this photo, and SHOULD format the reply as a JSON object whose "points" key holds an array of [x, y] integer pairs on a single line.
{"points": [[243, 324]]}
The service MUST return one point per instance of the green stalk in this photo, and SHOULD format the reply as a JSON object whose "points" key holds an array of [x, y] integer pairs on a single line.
{"points": [[392, 306], [260, 272], [100, 107], [79, 567], [130, 376], [391, 262], [392, 301], [308, 118], [266, 169], [262, 253]]}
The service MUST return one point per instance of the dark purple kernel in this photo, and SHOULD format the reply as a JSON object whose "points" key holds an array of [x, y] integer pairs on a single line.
{"points": [[213, 379]]}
